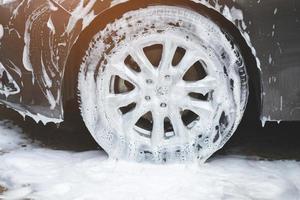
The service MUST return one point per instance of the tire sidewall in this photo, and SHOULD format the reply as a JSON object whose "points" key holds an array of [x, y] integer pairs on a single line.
{"points": [[116, 145]]}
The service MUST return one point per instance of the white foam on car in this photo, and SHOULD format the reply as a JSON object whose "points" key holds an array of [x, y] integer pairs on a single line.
{"points": [[236, 16], [2, 2], [84, 11], [5, 89], [233, 14], [1, 31]]}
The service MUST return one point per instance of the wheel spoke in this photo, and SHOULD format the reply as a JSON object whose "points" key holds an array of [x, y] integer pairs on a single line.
{"points": [[168, 55], [190, 58], [124, 99], [158, 128], [178, 125], [120, 69], [141, 59], [201, 108], [203, 86], [131, 118]]}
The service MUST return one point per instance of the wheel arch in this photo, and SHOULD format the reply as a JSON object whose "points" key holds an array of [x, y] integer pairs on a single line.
{"points": [[78, 50]]}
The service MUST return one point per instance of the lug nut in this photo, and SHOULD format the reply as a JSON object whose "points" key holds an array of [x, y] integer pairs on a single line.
{"points": [[148, 98], [163, 105], [149, 81], [168, 77]]}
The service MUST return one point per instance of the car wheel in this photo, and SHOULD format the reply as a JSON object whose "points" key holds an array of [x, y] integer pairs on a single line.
{"points": [[162, 84]]}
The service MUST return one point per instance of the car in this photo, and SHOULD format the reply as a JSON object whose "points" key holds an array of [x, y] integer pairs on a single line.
{"points": [[156, 81]]}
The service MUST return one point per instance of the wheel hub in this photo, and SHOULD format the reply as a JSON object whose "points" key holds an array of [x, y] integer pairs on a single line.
{"points": [[162, 91], [165, 93]]}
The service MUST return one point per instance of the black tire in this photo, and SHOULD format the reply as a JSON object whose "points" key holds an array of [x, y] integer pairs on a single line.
{"points": [[229, 99]]}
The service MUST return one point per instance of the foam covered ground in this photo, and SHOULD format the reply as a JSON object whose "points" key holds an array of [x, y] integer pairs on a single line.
{"points": [[28, 171]]}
